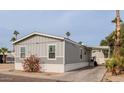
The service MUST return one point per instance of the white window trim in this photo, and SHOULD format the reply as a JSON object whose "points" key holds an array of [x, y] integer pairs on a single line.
{"points": [[20, 52], [48, 52]]}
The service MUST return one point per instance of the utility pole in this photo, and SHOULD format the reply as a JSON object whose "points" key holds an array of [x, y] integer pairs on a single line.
{"points": [[117, 44]]}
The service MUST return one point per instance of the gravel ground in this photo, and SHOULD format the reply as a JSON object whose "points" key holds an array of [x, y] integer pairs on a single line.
{"points": [[109, 78]]}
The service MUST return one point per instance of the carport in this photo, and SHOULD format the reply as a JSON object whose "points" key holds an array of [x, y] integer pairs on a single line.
{"points": [[101, 53]]}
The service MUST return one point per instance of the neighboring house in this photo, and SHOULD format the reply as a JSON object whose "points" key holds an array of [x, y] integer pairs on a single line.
{"points": [[57, 54], [101, 53], [1, 58], [9, 57]]}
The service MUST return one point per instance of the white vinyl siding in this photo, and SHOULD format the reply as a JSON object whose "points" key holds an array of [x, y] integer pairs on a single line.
{"points": [[38, 46], [73, 53]]}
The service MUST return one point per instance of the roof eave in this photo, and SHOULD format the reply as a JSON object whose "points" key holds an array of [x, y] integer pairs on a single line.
{"points": [[36, 33]]}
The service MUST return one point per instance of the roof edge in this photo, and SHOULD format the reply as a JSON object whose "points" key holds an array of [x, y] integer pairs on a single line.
{"points": [[38, 33]]}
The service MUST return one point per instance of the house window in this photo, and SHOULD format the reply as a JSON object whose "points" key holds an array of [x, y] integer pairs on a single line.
{"points": [[22, 54], [85, 53], [81, 54], [51, 51]]}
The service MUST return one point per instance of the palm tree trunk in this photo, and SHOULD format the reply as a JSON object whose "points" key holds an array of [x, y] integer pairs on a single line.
{"points": [[117, 44], [16, 37], [117, 39], [4, 58]]}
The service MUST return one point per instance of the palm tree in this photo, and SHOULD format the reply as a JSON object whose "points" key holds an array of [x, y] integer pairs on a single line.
{"points": [[117, 34], [4, 51], [13, 39], [16, 33], [117, 42], [80, 42], [68, 34]]}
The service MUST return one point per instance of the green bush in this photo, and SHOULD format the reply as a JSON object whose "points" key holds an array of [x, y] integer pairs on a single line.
{"points": [[121, 62], [111, 63], [115, 64]]}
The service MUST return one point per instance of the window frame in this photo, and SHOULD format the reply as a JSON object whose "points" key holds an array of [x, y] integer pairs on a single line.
{"points": [[48, 52], [81, 54], [21, 52]]}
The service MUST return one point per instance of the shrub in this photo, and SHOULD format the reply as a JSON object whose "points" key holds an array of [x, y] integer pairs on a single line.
{"points": [[31, 64], [121, 62], [111, 63], [115, 64]]}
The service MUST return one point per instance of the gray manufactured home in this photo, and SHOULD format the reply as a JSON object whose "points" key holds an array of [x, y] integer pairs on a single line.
{"points": [[57, 54]]}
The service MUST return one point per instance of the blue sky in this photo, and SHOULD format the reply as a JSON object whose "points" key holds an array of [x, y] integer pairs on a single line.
{"points": [[90, 27]]}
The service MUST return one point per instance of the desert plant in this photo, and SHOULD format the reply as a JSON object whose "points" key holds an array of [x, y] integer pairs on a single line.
{"points": [[120, 62], [31, 64], [115, 64], [111, 63]]}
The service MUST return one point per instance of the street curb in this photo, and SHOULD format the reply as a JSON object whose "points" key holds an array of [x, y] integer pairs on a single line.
{"points": [[103, 76]]}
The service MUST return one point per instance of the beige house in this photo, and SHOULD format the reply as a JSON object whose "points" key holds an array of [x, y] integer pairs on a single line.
{"points": [[57, 54]]}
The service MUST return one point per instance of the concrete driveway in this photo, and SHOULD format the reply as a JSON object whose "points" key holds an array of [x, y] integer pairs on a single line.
{"points": [[7, 73], [84, 75]]}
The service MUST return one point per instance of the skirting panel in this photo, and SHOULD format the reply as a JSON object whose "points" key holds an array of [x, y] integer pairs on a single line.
{"points": [[69, 67], [57, 68]]}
